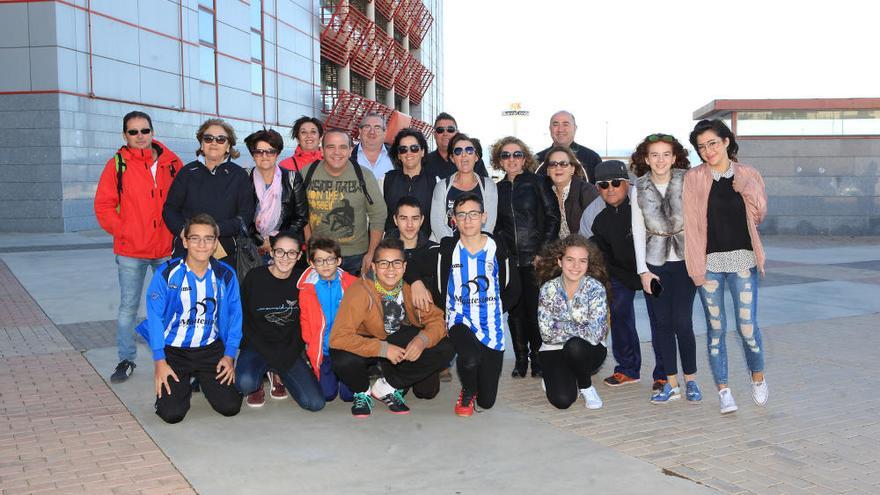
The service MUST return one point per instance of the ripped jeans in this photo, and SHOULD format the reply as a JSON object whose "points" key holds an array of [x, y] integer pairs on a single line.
{"points": [[744, 290]]}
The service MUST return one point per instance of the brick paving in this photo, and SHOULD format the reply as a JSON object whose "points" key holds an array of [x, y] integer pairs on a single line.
{"points": [[62, 430], [91, 334]]}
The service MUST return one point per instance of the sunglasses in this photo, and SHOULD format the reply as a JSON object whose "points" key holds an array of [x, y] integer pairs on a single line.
{"points": [[134, 132], [506, 155], [560, 164], [208, 139], [666, 138], [603, 184], [259, 152], [413, 148], [470, 150], [449, 129]]}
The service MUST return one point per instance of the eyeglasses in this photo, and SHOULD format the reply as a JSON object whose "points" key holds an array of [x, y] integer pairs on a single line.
{"points": [[666, 138], [196, 239], [386, 264], [603, 184], [472, 215], [506, 155], [208, 139], [134, 132], [448, 129], [259, 152], [413, 148], [470, 150], [368, 127], [560, 164], [281, 253], [711, 145], [325, 261]]}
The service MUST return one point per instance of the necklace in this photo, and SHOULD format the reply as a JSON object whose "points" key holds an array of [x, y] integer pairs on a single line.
{"points": [[388, 294]]}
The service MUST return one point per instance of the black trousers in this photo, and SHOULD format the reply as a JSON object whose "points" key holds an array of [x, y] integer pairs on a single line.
{"points": [[201, 363], [673, 317], [423, 374], [479, 367], [568, 370], [523, 318]]}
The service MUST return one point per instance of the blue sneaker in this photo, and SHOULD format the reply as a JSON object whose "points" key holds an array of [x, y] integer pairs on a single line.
{"points": [[666, 394], [692, 392]]}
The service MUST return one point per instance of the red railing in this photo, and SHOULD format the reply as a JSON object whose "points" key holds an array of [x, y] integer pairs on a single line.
{"points": [[338, 36], [388, 7], [407, 75], [370, 51], [391, 65], [404, 16], [420, 85], [346, 110], [421, 25]]}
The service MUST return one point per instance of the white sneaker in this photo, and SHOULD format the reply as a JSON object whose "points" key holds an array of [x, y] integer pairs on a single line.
{"points": [[760, 392], [543, 386], [728, 405], [592, 398]]}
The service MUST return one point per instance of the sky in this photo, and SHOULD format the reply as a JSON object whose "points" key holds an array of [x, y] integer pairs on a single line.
{"points": [[629, 68]]}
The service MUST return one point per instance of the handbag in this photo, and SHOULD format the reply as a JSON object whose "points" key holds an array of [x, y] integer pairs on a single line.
{"points": [[246, 255]]}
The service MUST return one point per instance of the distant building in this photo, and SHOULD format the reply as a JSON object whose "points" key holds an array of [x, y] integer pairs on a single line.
{"points": [[820, 159], [73, 69]]}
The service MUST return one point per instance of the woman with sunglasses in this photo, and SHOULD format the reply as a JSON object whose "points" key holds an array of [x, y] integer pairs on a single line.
{"points": [[660, 163], [724, 202], [279, 196], [464, 155], [410, 176], [215, 185], [573, 192], [272, 338], [528, 219], [307, 131]]}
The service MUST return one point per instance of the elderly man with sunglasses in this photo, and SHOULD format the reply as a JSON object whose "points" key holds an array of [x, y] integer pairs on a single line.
{"points": [[128, 205], [562, 130], [438, 162]]}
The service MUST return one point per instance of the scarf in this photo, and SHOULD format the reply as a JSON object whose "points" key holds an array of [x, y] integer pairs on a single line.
{"points": [[386, 294], [268, 203], [303, 158]]}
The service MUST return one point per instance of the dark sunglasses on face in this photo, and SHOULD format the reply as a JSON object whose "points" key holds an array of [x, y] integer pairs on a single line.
{"points": [[134, 132], [258, 152], [560, 164], [666, 138], [413, 148], [449, 129], [603, 184], [470, 150], [506, 155], [208, 139]]}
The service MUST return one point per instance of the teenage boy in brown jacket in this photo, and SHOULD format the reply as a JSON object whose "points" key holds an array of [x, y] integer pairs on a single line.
{"points": [[377, 321]]}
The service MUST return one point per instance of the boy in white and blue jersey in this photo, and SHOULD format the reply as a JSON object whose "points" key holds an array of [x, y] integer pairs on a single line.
{"points": [[193, 325], [470, 273]]}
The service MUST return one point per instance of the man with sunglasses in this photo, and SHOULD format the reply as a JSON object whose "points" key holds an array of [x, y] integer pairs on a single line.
{"points": [[372, 153], [128, 205], [438, 162], [612, 232], [562, 130]]}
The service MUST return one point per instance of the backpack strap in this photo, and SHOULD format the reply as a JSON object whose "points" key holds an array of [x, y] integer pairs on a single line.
{"points": [[360, 177], [308, 178], [120, 169]]}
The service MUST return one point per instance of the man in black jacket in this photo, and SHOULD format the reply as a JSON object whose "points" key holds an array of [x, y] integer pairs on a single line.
{"points": [[612, 232], [562, 130]]}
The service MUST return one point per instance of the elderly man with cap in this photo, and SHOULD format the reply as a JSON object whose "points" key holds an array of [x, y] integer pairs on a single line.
{"points": [[562, 130], [612, 232]]}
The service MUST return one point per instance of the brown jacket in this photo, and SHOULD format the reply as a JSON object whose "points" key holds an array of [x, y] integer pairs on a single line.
{"points": [[695, 198], [359, 327]]}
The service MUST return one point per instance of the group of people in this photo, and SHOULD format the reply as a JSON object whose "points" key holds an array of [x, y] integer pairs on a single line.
{"points": [[384, 265]]}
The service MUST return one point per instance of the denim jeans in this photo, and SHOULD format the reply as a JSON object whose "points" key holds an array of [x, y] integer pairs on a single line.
{"points": [[672, 316], [744, 290], [624, 339], [131, 285], [299, 379]]}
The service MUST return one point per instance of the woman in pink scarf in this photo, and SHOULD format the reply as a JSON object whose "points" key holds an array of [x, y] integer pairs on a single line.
{"points": [[307, 131]]}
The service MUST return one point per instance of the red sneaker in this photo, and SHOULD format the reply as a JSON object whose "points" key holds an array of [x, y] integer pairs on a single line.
{"points": [[278, 391], [465, 404], [257, 399], [658, 384], [618, 379]]}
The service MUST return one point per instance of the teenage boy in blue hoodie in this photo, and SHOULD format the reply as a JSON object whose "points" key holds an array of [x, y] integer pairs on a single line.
{"points": [[193, 325]]}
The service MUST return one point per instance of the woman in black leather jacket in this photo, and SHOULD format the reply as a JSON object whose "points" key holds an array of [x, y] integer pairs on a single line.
{"points": [[528, 219], [279, 197]]}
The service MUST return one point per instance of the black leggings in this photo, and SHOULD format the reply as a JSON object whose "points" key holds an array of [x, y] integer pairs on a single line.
{"points": [[673, 317], [568, 370], [523, 318], [479, 367]]}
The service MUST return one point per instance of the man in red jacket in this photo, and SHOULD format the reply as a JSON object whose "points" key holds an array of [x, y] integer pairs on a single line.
{"points": [[128, 204]]}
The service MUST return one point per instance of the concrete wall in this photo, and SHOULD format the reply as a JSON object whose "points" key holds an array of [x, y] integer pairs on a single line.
{"points": [[818, 186]]}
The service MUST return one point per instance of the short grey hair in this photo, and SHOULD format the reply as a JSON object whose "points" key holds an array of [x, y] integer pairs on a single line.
{"points": [[573, 121], [370, 115]]}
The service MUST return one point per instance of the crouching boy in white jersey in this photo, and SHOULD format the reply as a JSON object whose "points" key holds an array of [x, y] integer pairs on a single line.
{"points": [[193, 325]]}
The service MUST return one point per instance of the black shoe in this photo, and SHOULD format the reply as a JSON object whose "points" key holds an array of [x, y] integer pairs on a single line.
{"points": [[520, 368], [395, 402], [537, 371], [194, 386], [362, 405], [123, 371]]}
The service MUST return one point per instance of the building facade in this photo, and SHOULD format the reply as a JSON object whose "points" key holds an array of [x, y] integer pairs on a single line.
{"points": [[73, 68]]}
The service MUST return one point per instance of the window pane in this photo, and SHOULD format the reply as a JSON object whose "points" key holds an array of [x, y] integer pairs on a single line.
{"points": [[256, 14], [256, 78], [206, 64], [206, 26], [256, 46]]}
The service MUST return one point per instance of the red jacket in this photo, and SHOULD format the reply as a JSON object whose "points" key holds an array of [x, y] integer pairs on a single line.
{"points": [[134, 219], [311, 316]]}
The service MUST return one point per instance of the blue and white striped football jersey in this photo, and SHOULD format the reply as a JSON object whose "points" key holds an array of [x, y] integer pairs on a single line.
{"points": [[196, 324], [474, 294]]}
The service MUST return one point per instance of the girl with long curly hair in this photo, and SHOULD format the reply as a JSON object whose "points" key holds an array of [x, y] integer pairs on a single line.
{"points": [[660, 163], [573, 319]]}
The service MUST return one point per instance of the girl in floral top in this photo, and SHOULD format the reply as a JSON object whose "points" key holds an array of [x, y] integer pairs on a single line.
{"points": [[573, 319]]}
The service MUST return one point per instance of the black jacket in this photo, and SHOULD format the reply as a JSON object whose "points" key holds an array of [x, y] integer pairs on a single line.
{"points": [[294, 204], [580, 194], [397, 185], [612, 232], [433, 267], [528, 215], [423, 244], [588, 158], [226, 194], [441, 168]]}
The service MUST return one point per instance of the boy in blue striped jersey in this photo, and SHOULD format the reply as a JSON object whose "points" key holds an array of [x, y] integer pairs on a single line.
{"points": [[193, 325]]}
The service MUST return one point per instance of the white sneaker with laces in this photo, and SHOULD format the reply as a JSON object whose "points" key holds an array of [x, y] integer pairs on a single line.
{"points": [[728, 405], [592, 398], [760, 392]]}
